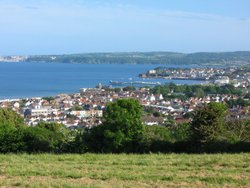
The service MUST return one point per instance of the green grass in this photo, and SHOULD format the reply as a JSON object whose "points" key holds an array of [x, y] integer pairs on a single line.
{"points": [[152, 170]]}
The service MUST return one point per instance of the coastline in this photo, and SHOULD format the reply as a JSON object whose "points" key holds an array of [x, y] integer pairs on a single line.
{"points": [[22, 80]]}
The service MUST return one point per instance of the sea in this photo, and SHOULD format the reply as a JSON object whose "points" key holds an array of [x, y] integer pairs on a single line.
{"points": [[25, 80]]}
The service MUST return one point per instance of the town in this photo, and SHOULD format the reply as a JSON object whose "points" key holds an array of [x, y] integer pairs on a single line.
{"points": [[238, 76], [13, 59], [162, 104]]}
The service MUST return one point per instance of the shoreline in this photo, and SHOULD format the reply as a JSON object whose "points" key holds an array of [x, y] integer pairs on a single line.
{"points": [[18, 99]]}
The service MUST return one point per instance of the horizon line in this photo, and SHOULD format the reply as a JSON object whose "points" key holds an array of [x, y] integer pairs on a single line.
{"points": [[124, 52]]}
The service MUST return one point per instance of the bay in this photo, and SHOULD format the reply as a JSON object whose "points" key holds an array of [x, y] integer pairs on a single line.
{"points": [[22, 80]]}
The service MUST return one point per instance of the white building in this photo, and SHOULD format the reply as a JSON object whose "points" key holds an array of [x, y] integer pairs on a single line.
{"points": [[223, 80], [38, 111]]}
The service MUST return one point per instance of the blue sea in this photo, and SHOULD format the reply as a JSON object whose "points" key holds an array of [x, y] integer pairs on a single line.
{"points": [[22, 80]]}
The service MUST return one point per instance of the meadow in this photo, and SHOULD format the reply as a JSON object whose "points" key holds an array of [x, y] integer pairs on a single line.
{"points": [[125, 170]]}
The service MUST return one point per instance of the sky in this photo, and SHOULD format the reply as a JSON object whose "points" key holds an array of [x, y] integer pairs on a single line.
{"points": [[33, 27]]}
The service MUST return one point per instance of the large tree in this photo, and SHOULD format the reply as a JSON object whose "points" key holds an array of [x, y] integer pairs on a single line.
{"points": [[208, 123], [121, 130]]}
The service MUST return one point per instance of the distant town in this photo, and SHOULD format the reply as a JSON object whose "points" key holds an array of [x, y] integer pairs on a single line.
{"points": [[238, 76], [13, 58]]}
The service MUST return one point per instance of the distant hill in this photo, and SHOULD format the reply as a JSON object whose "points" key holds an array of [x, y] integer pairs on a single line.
{"points": [[202, 58]]}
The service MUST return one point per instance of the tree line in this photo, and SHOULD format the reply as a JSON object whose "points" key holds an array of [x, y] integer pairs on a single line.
{"points": [[186, 91], [122, 131], [147, 58]]}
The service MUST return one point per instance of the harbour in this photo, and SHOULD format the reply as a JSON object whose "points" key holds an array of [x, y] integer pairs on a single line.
{"points": [[22, 80]]}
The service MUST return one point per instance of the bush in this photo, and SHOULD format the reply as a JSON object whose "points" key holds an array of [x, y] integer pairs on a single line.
{"points": [[11, 140], [38, 140]]}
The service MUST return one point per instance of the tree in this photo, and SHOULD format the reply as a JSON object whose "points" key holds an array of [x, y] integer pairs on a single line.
{"points": [[60, 135], [199, 92], [10, 118], [208, 123], [238, 130], [181, 132], [118, 89], [76, 108], [238, 102], [156, 139], [11, 140], [157, 114], [121, 130], [54, 127], [49, 99], [129, 88]]}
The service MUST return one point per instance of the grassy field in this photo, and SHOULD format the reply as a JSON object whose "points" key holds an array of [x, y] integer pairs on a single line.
{"points": [[152, 170]]}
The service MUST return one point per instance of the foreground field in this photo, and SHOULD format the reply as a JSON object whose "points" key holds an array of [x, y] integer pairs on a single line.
{"points": [[153, 170]]}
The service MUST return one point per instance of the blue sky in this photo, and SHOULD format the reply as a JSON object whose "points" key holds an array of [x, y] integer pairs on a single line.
{"points": [[78, 26]]}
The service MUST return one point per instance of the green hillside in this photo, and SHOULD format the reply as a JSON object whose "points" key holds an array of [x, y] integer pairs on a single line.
{"points": [[223, 58]]}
